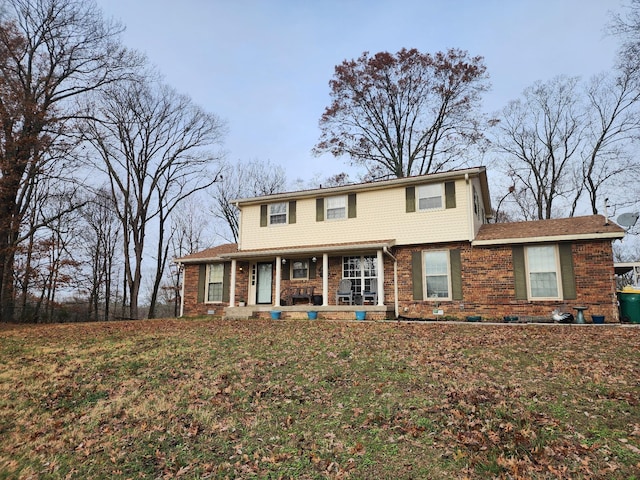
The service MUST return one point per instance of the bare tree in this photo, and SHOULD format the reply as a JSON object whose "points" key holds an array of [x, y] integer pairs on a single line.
{"points": [[51, 52], [101, 237], [409, 113], [563, 140], [540, 134], [613, 124], [243, 180], [189, 225], [154, 146]]}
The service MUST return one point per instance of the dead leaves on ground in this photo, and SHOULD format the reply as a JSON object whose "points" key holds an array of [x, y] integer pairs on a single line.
{"points": [[296, 399]]}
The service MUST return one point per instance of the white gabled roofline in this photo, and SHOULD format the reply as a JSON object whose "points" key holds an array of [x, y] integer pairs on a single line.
{"points": [[356, 187]]}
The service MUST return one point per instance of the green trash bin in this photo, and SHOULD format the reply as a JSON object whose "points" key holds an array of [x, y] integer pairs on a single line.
{"points": [[629, 306]]}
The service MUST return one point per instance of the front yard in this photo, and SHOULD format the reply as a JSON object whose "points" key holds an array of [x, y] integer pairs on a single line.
{"points": [[319, 399]]}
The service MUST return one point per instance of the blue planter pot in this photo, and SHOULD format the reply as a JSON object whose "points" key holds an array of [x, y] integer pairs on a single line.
{"points": [[598, 319], [275, 315], [312, 315], [360, 315]]}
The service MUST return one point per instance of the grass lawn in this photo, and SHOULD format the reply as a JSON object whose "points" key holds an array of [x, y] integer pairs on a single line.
{"points": [[319, 399]]}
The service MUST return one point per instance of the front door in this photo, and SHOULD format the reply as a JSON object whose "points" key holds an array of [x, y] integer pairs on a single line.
{"points": [[263, 281]]}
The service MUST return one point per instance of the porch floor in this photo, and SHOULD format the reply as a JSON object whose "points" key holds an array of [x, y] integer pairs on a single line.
{"points": [[331, 312]]}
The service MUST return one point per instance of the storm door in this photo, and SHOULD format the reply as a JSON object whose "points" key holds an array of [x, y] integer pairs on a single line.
{"points": [[264, 279]]}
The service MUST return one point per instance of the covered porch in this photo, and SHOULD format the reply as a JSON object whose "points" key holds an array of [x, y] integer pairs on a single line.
{"points": [[270, 276]]}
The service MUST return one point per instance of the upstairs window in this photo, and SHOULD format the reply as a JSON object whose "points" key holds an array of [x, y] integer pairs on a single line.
{"points": [[429, 197], [278, 213], [336, 207]]}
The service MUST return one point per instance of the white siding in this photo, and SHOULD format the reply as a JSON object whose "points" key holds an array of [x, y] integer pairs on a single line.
{"points": [[381, 215]]}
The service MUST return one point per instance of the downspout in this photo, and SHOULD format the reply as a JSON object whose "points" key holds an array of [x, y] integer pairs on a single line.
{"points": [[184, 273], [395, 281], [470, 204]]}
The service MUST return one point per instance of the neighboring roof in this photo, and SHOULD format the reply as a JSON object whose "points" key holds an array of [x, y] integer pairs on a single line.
{"points": [[213, 253], [557, 229], [479, 172]]}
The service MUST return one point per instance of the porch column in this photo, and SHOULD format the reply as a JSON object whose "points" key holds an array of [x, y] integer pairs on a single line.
{"points": [[232, 284], [325, 280], [278, 277], [380, 277]]}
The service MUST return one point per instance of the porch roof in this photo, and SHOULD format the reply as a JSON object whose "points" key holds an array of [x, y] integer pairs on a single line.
{"points": [[345, 247]]}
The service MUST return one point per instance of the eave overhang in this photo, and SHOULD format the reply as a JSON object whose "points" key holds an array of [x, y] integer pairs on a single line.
{"points": [[341, 248], [549, 239]]}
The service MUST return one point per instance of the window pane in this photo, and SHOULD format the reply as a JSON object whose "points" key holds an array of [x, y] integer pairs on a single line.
{"points": [[435, 263], [429, 197], [300, 269], [216, 272], [278, 213], [362, 271], [214, 282], [336, 207], [544, 285], [215, 292], [543, 276], [437, 286], [436, 266]]}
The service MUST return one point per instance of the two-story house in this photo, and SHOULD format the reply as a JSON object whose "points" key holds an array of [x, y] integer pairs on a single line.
{"points": [[416, 247]]}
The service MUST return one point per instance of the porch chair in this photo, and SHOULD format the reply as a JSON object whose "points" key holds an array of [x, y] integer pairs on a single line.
{"points": [[371, 294], [344, 291]]}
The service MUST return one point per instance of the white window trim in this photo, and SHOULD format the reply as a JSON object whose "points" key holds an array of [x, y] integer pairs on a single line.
{"points": [[207, 283], [424, 277], [344, 207], [361, 276], [286, 214], [442, 197], [558, 273], [297, 279]]}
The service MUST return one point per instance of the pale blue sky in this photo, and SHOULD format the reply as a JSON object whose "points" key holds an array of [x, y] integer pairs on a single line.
{"points": [[264, 65]]}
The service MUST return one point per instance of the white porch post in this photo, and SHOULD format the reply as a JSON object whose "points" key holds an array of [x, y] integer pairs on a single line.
{"points": [[380, 278], [325, 280], [232, 284], [278, 277]]}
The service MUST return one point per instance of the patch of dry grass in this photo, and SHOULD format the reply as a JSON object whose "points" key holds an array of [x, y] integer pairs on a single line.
{"points": [[314, 399]]}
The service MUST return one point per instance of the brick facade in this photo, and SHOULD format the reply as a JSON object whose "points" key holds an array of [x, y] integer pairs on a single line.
{"points": [[488, 285]]}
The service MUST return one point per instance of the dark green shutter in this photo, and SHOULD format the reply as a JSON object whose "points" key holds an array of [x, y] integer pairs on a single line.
{"points": [[319, 209], [202, 278], [410, 194], [351, 201], [286, 271], [312, 269], [566, 272], [456, 274], [226, 280], [416, 273], [292, 211], [450, 194], [263, 215], [519, 273]]}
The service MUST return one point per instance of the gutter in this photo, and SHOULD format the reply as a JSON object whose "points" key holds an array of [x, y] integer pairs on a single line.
{"points": [[554, 238]]}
